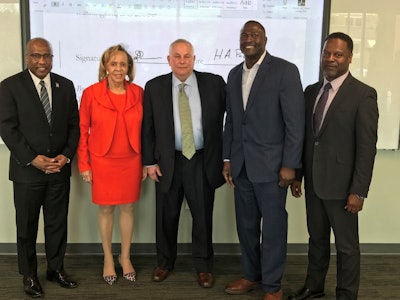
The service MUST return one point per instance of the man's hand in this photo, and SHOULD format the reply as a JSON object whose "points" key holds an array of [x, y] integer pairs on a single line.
{"points": [[295, 187], [354, 204], [286, 176], [226, 172], [48, 165], [154, 172]]}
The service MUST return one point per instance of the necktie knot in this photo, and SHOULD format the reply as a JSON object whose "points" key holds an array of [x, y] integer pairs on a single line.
{"points": [[327, 86]]}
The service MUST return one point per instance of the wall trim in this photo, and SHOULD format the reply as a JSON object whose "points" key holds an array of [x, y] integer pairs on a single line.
{"points": [[185, 249]]}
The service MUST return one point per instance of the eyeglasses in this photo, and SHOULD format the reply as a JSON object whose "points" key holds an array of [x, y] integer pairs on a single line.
{"points": [[38, 56]]}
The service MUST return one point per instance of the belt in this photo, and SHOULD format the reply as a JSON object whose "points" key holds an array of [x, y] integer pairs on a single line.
{"points": [[197, 152]]}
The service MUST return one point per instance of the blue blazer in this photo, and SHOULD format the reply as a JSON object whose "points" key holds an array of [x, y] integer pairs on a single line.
{"points": [[267, 135]]}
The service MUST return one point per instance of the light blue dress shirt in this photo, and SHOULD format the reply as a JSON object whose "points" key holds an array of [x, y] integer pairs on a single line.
{"points": [[192, 91]]}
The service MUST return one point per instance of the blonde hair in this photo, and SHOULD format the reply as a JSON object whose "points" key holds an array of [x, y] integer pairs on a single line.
{"points": [[105, 58]]}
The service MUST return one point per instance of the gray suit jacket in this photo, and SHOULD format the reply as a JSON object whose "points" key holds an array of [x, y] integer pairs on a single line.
{"points": [[339, 160], [267, 135]]}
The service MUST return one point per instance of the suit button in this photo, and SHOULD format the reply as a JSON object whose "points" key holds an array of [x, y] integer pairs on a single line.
{"points": [[316, 143]]}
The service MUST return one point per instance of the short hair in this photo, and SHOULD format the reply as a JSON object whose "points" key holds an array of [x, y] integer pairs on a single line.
{"points": [[178, 41], [37, 39], [342, 36], [106, 57], [257, 23]]}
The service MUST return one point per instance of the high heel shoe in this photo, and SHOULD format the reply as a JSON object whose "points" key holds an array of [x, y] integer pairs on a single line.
{"points": [[131, 276], [110, 279]]}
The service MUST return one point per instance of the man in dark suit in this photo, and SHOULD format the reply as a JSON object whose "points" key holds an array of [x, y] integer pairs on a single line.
{"points": [[177, 173], [42, 140], [263, 140], [339, 154]]}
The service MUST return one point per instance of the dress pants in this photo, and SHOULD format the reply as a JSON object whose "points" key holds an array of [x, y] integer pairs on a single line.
{"points": [[261, 213], [189, 181], [29, 198], [322, 215]]}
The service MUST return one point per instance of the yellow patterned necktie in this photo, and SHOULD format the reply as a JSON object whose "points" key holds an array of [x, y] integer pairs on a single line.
{"points": [[188, 149]]}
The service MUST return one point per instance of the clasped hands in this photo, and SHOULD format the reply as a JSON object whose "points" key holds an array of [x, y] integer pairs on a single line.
{"points": [[49, 165]]}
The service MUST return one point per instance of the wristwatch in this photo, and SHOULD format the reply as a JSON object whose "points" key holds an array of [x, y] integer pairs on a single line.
{"points": [[360, 197]]}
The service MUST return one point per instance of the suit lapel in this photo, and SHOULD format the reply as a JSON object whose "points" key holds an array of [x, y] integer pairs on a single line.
{"points": [[311, 104], [165, 95], [344, 89], [258, 80], [56, 97], [33, 91], [236, 94]]}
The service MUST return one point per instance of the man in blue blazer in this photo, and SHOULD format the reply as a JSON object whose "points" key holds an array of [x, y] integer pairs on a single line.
{"points": [[338, 160], [177, 176], [263, 141], [41, 150]]}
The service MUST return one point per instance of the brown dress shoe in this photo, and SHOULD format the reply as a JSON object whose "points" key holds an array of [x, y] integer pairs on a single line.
{"points": [[274, 296], [240, 286], [205, 280], [160, 274]]}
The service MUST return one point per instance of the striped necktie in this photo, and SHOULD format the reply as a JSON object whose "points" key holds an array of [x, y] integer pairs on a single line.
{"points": [[188, 149], [44, 97]]}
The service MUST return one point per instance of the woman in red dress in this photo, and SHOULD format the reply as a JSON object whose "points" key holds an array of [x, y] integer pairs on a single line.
{"points": [[109, 152]]}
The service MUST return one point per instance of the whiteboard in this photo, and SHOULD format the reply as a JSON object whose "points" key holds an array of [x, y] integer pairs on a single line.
{"points": [[80, 31]]}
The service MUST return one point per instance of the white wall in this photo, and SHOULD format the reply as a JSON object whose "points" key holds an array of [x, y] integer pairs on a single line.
{"points": [[379, 221]]}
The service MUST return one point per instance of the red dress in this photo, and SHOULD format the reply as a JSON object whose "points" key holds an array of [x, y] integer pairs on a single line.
{"points": [[117, 173]]}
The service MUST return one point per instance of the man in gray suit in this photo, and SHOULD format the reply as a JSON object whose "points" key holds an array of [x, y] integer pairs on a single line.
{"points": [[339, 154], [263, 141]]}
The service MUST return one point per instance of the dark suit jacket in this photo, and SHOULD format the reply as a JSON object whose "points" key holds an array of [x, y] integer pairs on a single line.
{"points": [[25, 130], [267, 135], [158, 137], [339, 161]]}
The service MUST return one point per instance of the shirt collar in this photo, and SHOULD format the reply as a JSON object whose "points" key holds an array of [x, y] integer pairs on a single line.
{"points": [[258, 63], [337, 82], [191, 80], [36, 80]]}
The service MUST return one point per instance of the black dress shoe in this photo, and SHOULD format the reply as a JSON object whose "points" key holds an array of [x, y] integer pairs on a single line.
{"points": [[304, 294], [32, 287], [61, 278]]}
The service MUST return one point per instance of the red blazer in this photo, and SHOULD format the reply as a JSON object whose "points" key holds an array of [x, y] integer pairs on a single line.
{"points": [[98, 118]]}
